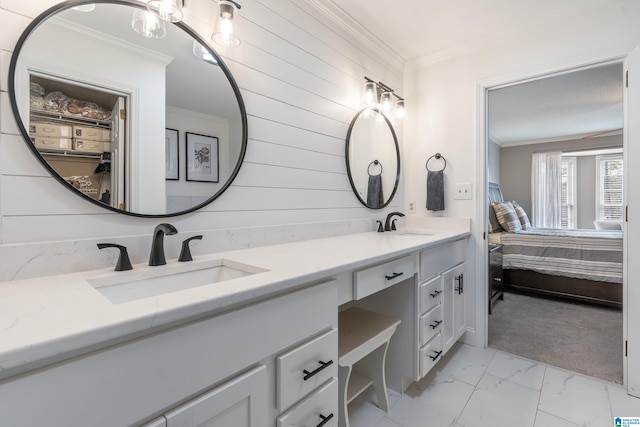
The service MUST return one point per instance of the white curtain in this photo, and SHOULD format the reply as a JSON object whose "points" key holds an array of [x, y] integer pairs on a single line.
{"points": [[546, 189]]}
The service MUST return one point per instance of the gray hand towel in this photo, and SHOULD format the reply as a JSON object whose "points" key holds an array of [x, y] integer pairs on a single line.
{"points": [[435, 191], [375, 200]]}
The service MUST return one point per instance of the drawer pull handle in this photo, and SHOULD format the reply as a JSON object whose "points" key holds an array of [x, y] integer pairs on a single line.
{"points": [[460, 280], [436, 324], [393, 276], [325, 419], [497, 279], [323, 365], [436, 293], [438, 353]]}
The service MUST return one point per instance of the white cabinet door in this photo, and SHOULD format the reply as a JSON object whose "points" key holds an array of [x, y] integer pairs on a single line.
{"points": [[241, 402], [454, 305], [459, 301]]}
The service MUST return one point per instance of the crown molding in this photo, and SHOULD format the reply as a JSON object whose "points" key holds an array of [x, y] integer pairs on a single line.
{"points": [[335, 16]]}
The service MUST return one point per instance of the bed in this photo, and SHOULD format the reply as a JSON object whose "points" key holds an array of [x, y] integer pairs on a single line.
{"points": [[583, 265]]}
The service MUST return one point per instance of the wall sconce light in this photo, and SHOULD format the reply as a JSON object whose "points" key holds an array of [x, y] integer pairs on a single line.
{"points": [[167, 10], [147, 24], [225, 31], [369, 93], [384, 101], [203, 53], [400, 111]]}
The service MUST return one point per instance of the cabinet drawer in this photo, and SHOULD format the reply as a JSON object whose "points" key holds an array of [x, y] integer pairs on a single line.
{"points": [[316, 360], [436, 260], [430, 324], [495, 259], [430, 354], [321, 406], [430, 294], [379, 277]]}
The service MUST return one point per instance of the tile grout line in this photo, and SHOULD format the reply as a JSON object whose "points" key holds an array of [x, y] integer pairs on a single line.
{"points": [[475, 388], [535, 418]]}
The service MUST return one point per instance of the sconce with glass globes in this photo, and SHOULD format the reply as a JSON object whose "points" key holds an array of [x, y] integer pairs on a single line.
{"points": [[150, 23], [378, 94]]}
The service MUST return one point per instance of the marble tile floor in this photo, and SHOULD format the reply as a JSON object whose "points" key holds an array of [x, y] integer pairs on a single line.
{"points": [[476, 387]]}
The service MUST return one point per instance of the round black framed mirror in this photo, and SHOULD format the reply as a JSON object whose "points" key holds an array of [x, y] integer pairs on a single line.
{"points": [[373, 158], [94, 100]]}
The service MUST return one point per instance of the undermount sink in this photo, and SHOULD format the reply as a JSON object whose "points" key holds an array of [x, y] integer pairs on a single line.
{"points": [[131, 286]]}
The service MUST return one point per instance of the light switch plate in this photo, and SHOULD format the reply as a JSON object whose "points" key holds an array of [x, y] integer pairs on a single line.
{"points": [[463, 191]]}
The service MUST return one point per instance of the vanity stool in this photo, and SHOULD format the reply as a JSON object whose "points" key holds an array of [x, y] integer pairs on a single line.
{"points": [[363, 339]]}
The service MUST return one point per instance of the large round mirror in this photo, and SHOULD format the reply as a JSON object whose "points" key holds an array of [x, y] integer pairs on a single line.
{"points": [[373, 158], [126, 115]]}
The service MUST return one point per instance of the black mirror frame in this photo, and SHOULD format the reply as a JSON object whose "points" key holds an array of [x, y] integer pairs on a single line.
{"points": [[346, 156], [14, 106]]}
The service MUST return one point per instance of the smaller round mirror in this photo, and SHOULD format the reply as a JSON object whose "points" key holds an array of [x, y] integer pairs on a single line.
{"points": [[373, 158]]}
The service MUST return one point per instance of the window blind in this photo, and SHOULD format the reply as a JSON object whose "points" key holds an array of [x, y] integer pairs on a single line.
{"points": [[610, 204]]}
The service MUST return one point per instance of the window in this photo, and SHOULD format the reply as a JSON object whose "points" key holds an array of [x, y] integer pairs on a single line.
{"points": [[609, 190], [568, 205]]}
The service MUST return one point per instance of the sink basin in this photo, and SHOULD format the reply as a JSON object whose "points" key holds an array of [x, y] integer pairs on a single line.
{"points": [[132, 286]]}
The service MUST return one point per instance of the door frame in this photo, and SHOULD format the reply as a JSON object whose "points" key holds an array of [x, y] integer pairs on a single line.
{"points": [[483, 86]]}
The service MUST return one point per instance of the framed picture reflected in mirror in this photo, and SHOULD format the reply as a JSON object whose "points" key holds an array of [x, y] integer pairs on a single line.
{"points": [[202, 158]]}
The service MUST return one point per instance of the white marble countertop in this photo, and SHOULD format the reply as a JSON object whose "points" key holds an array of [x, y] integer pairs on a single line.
{"points": [[47, 319]]}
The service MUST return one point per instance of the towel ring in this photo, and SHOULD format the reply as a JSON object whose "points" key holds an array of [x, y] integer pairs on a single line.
{"points": [[374, 163], [437, 156]]}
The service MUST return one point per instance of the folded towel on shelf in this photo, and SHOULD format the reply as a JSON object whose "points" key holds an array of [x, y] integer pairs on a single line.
{"points": [[435, 191], [375, 199]]}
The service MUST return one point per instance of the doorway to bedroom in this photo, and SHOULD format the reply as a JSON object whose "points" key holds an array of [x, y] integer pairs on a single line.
{"points": [[555, 148]]}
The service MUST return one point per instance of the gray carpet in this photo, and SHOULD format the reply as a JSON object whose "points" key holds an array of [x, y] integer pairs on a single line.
{"points": [[579, 337]]}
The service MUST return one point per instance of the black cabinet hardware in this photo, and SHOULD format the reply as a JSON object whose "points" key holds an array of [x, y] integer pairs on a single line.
{"points": [[437, 354], [323, 365], [393, 276], [460, 280], [436, 324], [436, 293], [325, 419]]}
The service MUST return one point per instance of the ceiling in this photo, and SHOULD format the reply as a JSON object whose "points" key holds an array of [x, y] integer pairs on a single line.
{"points": [[580, 104], [571, 105]]}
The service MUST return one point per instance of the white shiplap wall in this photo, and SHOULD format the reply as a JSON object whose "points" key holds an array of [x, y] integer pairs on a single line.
{"points": [[300, 79]]}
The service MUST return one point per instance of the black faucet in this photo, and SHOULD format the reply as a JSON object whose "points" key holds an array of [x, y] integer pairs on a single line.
{"points": [[388, 225], [185, 252], [123, 263], [157, 245]]}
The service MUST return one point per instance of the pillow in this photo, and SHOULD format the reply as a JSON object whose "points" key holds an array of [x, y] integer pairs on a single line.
{"points": [[507, 216], [494, 225], [607, 225], [522, 215]]}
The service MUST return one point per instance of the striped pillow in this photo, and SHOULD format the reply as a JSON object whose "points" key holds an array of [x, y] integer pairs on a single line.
{"points": [[507, 216], [522, 215]]}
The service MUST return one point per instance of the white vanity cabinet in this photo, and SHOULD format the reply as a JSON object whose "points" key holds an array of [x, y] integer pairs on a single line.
{"points": [[432, 308], [442, 271], [241, 402], [210, 369]]}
